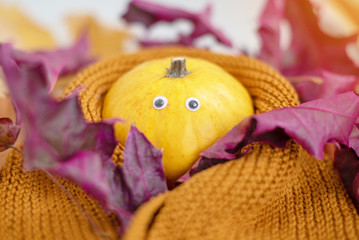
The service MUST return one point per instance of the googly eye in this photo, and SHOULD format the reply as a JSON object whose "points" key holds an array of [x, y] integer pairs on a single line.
{"points": [[160, 102], [192, 104]]}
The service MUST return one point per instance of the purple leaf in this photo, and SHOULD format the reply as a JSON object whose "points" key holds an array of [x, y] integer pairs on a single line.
{"points": [[311, 52], [347, 164], [59, 62], [311, 124], [269, 31], [310, 48], [331, 84], [54, 130], [142, 168], [354, 139], [9, 131], [59, 139], [87, 169], [150, 13], [141, 176], [57, 136]]}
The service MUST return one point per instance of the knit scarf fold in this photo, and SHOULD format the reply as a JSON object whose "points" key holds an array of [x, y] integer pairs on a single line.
{"points": [[270, 193], [33, 207]]}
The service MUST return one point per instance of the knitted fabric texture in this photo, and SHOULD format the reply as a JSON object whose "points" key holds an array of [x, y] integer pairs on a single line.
{"points": [[33, 207], [268, 194]]}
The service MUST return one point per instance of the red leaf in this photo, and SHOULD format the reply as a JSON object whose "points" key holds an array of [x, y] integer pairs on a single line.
{"points": [[313, 49], [311, 52], [150, 13], [9, 131], [310, 48], [311, 124]]}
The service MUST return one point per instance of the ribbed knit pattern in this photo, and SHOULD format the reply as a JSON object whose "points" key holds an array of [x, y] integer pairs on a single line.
{"points": [[265, 85], [33, 207], [268, 194]]}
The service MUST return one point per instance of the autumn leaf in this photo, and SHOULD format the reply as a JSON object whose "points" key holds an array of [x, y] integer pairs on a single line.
{"points": [[311, 52], [347, 165], [313, 48], [149, 14], [59, 62], [142, 168], [54, 130], [310, 124], [3, 87], [54, 64], [22, 31], [9, 131], [310, 48], [328, 84], [354, 138], [104, 41], [86, 168], [141, 176], [339, 17], [58, 139], [270, 33], [120, 189]]}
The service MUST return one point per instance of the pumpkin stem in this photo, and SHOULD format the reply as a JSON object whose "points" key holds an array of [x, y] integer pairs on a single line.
{"points": [[178, 68]]}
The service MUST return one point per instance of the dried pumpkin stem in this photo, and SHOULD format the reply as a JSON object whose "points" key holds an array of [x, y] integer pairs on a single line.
{"points": [[178, 68]]}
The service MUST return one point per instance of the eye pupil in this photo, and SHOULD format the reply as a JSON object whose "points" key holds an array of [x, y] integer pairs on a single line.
{"points": [[159, 103], [193, 104]]}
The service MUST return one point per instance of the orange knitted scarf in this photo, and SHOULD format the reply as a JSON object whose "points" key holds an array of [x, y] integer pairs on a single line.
{"points": [[268, 194]]}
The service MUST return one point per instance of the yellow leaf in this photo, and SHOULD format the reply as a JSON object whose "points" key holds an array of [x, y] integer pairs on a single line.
{"points": [[3, 88], [22, 31], [105, 42], [339, 17]]}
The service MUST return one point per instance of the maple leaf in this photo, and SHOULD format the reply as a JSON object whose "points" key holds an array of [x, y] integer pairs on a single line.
{"points": [[346, 162], [105, 42], [28, 84], [18, 27], [310, 124], [314, 49], [311, 53], [328, 84], [150, 13], [58, 139], [140, 177], [9, 131], [59, 62], [270, 33]]}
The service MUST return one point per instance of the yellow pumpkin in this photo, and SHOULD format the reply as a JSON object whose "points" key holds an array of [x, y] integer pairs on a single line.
{"points": [[183, 112]]}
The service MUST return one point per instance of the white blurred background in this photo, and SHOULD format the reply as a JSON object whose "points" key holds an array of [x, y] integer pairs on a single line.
{"points": [[236, 18]]}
